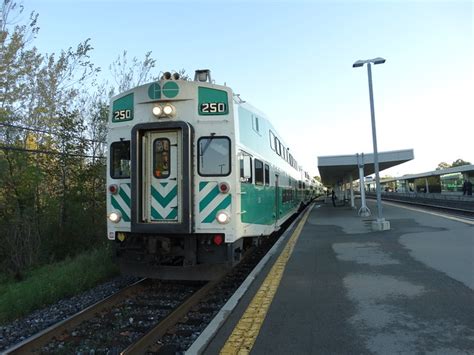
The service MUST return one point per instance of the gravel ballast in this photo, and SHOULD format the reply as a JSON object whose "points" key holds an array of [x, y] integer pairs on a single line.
{"points": [[20, 329]]}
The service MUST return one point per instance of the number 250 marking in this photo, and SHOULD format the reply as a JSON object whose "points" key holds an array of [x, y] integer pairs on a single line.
{"points": [[122, 115], [213, 107]]}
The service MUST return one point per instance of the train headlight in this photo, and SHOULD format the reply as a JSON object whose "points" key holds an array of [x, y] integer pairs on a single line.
{"points": [[222, 217], [157, 111], [115, 217], [168, 110], [164, 111]]}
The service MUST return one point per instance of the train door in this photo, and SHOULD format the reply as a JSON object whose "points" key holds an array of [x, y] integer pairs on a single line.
{"points": [[161, 177], [277, 199]]}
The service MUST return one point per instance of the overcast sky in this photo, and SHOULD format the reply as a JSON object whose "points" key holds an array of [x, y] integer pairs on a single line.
{"points": [[293, 60]]}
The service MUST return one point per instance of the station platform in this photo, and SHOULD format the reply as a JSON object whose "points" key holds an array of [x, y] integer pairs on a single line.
{"points": [[336, 287]]}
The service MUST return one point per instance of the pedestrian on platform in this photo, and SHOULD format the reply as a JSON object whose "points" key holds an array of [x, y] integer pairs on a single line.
{"points": [[333, 198], [469, 188], [464, 188]]}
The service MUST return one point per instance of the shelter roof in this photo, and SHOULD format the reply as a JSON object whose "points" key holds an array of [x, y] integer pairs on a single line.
{"points": [[339, 168]]}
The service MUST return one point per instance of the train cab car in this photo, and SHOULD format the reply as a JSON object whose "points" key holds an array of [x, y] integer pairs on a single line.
{"points": [[195, 177]]}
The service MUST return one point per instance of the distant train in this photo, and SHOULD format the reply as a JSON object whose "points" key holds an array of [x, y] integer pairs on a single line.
{"points": [[195, 177]]}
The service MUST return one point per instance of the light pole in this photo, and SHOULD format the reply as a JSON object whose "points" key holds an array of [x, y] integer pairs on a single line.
{"points": [[380, 224]]}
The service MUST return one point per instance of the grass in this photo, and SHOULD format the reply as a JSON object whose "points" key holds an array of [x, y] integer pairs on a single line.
{"points": [[53, 282]]}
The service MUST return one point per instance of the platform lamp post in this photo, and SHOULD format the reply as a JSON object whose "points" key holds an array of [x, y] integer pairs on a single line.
{"points": [[380, 223]]}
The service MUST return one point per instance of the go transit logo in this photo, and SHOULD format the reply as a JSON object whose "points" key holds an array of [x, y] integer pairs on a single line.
{"points": [[170, 90]]}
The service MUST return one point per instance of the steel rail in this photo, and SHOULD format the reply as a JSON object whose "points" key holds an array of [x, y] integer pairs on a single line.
{"points": [[148, 340], [453, 210], [34, 343]]}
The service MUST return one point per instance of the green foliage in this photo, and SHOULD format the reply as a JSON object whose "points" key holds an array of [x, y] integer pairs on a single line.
{"points": [[52, 204], [130, 74], [53, 282], [460, 162], [443, 165]]}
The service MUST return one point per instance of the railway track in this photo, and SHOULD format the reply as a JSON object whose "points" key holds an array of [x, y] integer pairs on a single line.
{"points": [[451, 211], [99, 328], [146, 317]]}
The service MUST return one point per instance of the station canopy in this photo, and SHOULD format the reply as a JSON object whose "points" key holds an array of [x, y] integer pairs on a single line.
{"points": [[339, 168]]}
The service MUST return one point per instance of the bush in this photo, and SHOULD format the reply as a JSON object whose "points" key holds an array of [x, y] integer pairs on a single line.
{"points": [[53, 282]]}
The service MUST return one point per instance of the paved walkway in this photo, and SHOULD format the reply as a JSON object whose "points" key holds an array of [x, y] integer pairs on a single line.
{"points": [[348, 290]]}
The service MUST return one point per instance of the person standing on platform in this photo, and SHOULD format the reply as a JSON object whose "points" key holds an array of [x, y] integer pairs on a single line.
{"points": [[464, 188], [469, 188], [333, 198]]}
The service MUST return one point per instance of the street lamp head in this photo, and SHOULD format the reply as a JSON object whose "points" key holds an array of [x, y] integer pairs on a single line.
{"points": [[361, 62], [378, 60]]}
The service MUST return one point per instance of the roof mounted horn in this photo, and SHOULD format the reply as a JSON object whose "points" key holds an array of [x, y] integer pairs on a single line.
{"points": [[202, 75]]}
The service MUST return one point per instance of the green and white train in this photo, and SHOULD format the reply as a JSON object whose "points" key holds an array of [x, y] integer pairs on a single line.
{"points": [[195, 177]]}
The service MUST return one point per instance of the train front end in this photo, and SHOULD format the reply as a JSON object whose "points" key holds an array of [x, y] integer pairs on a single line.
{"points": [[171, 182]]}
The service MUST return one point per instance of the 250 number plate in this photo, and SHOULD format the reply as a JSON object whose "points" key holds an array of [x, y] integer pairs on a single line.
{"points": [[122, 115], [214, 107]]}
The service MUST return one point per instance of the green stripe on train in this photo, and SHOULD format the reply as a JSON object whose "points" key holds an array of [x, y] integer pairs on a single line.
{"points": [[223, 205], [208, 198], [124, 196], [164, 200], [116, 205], [157, 216], [258, 202]]}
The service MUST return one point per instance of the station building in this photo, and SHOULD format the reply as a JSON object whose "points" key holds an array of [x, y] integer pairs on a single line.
{"points": [[446, 181]]}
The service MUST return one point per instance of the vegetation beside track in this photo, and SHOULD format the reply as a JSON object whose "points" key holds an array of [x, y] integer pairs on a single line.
{"points": [[53, 282]]}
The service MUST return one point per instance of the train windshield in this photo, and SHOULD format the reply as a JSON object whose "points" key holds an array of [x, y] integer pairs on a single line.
{"points": [[214, 156], [120, 160]]}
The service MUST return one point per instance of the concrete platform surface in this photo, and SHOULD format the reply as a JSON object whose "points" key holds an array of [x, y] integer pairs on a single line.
{"points": [[349, 290]]}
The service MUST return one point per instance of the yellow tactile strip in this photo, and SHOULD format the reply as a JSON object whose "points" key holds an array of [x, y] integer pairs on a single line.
{"points": [[246, 331]]}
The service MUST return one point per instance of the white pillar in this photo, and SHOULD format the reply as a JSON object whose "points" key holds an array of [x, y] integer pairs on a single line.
{"points": [[427, 188], [363, 210]]}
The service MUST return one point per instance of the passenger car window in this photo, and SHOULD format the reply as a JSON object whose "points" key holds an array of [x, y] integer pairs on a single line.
{"points": [[267, 175], [258, 172], [120, 160], [214, 156], [161, 158]]}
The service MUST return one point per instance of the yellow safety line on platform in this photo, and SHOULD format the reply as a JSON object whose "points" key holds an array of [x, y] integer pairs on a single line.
{"points": [[457, 219], [246, 331]]}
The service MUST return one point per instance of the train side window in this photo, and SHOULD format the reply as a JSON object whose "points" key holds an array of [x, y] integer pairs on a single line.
{"points": [[278, 146], [214, 156], [272, 140], [267, 175], [255, 124], [120, 160], [161, 158], [258, 172], [244, 175]]}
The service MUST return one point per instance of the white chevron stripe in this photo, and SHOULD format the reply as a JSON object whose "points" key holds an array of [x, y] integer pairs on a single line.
{"points": [[164, 191], [203, 193], [164, 211], [121, 202], [126, 189], [212, 205]]}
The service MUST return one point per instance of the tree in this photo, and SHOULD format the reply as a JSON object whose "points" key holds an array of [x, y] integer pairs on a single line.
{"points": [[42, 140], [460, 162], [443, 165], [128, 75]]}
